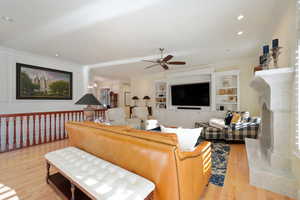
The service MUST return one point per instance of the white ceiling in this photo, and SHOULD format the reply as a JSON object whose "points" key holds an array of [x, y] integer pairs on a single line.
{"points": [[121, 32]]}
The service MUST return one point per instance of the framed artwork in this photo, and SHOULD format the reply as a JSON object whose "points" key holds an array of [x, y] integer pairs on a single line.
{"points": [[35, 82], [127, 98]]}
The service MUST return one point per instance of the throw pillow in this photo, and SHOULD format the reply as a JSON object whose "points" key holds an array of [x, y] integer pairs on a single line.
{"points": [[228, 118], [187, 138], [168, 130], [245, 116], [217, 123], [236, 118]]}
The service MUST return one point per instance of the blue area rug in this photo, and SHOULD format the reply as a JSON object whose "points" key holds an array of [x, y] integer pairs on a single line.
{"points": [[220, 153]]}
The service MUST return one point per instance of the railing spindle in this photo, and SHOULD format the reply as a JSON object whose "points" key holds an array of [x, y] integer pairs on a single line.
{"points": [[64, 127], [59, 126], [28, 139], [50, 129], [21, 132], [34, 132], [45, 128], [55, 126], [15, 134], [40, 130], [7, 134]]}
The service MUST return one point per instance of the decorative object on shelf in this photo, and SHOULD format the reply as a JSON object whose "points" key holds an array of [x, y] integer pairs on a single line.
{"points": [[127, 99], [89, 100], [35, 82], [135, 99], [266, 59], [275, 51], [146, 99]]}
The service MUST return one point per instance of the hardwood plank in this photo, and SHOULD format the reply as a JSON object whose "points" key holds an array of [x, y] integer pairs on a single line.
{"points": [[23, 173]]}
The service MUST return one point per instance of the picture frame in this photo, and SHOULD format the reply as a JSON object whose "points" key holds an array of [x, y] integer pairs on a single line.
{"points": [[39, 83]]}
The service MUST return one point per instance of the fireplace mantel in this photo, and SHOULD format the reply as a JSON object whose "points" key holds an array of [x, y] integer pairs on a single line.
{"points": [[269, 156], [272, 87]]}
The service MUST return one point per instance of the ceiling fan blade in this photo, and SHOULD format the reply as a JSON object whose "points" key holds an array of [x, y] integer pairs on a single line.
{"points": [[165, 66], [176, 63], [151, 66], [167, 58], [152, 61]]}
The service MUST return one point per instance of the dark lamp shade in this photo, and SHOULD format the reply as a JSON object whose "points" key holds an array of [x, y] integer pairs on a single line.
{"points": [[135, 98], [88, 99], [146, 98]]}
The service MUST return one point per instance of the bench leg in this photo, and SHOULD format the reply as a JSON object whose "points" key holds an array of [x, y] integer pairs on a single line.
{"points": [[73, 191], [48, 172]]}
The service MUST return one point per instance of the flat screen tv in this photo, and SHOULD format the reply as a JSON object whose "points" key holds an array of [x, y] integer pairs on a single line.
{"points": [[196, 94]]}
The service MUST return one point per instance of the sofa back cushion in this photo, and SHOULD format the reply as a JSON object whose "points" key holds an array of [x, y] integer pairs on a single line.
{"points": [[139, 153]]}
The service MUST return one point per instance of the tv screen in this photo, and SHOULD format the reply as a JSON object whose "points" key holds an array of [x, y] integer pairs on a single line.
{"points": [[197, 94]]}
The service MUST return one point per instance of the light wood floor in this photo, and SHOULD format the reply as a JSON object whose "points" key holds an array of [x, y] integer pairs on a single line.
{"points": [[22, 176]]}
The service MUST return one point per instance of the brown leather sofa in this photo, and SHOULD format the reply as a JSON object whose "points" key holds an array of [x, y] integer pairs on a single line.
{"points": [[156, 156]]}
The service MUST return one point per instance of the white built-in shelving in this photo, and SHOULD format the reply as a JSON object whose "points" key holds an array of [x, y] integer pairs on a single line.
{"points": [[227, 90], [160, 95]]}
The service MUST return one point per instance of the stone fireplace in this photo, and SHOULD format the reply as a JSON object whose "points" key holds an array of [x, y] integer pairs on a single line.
{"points": [[269, 156]]}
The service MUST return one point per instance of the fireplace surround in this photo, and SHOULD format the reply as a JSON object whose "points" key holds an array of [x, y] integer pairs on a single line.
{"points": [[270, 155]]}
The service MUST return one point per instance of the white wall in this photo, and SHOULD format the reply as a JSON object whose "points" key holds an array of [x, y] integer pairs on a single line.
{"points": [[286, 32], [8, 102]]}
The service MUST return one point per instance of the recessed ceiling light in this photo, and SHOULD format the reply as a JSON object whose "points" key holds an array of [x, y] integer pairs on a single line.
{"points": [[7, 19], [57, 55], [240, 17], [240, 33]]}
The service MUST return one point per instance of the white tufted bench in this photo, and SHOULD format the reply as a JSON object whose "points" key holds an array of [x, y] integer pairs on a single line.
{"points": [[96, 178]]}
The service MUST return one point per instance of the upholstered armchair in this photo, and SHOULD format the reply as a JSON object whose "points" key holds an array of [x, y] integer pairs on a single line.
{"points": [[142, 114], [116, 116]]}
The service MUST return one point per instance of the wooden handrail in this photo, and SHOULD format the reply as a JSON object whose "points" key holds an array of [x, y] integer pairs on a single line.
{"points": [[21, 130], [43, 113]]}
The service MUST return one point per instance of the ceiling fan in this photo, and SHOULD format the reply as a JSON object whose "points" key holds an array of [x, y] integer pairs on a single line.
{"points": [[164, 61]]}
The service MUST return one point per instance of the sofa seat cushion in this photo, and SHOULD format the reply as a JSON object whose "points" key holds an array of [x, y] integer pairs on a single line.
{"points": [[100, 178]]}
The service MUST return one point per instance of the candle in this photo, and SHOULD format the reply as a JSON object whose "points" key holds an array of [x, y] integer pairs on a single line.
{"points": [[266, 49], [275, 43]]}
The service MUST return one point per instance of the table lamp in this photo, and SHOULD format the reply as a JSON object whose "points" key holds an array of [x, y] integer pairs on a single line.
{"points": [[135, 99], [146, 99], [88, 99]]}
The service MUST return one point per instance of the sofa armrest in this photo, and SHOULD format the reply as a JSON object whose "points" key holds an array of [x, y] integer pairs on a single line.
{"points": [[201, 149], [194, 170]]}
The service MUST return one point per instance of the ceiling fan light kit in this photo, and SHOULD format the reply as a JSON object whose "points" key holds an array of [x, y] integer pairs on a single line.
{"points": [[163, 61]]}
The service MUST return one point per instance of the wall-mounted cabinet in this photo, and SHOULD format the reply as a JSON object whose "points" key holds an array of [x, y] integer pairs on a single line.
{"points": [[227, 90]]}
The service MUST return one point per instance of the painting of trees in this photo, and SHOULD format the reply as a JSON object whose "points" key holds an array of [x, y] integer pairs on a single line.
{"points": [[27, 87], [60, 88], [42, 83]]}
